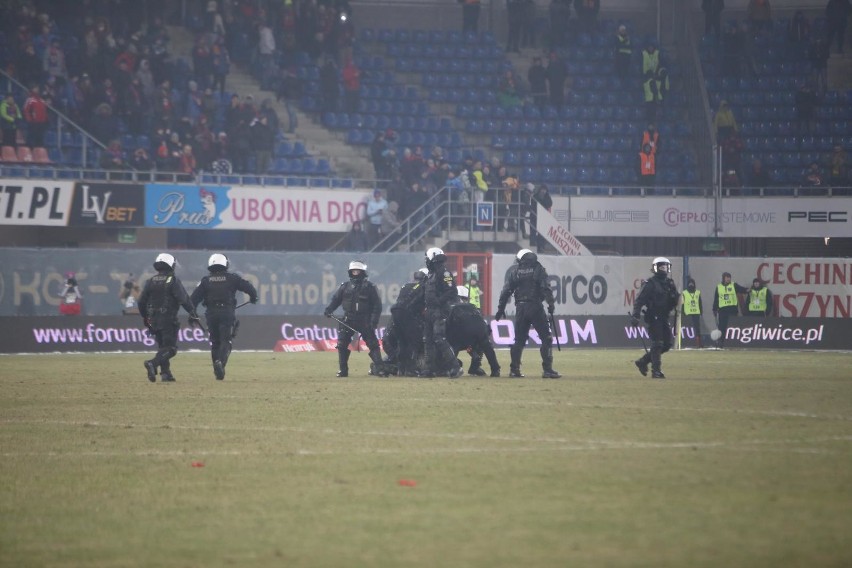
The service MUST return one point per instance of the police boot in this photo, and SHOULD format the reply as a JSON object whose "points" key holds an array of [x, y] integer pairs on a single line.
{"points": [[377, 366], [151, 367], [642, 364], [475, 367], [656, 364], [166, 375], [547, 364], [343, 361], [515, 364], [219, 370], [495, 372]]}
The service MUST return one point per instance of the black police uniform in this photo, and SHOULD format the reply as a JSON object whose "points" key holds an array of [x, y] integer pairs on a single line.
{"points": [[217, 291], [403, 340], [659, 296], [527, 280], [466, 330], [440, 293], [362, 308], [159, 303]]}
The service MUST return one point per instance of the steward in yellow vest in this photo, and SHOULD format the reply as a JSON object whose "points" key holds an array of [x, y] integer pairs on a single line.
{"points": [[759, 300]]}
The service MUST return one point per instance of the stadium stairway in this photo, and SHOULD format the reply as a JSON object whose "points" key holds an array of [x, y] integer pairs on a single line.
{"points": [[346, 161]]}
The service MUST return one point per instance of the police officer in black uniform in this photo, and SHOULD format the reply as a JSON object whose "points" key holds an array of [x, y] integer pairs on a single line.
{"points": [[467, 331], [159, 303], [527, 280], [362, 308], [440, 292], [659, 296], [217, 291], [403, 339]]}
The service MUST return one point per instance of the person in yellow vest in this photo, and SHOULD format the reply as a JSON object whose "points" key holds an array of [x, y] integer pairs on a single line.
{"points": [[692, 309], [650, 59], [726, 304], [759, 300], [474, 293]]}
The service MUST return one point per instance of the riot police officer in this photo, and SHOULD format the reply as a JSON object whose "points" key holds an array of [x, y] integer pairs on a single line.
{"points": [[159, 303], [527, 280], [658, 296], [403, 339], [440, 294], [217, 291], [362, 308], [466, 330]]}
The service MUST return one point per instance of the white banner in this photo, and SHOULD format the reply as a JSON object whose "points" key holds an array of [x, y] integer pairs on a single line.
{"points": [[802, 287], [35, 202], [586, 285], [696, 217], [266, 209], [557, 235]]}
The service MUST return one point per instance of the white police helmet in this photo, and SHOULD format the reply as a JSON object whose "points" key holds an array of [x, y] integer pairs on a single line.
{"points": [[357, 265], [661, 264], [463, 291], [522, 253], [217, 259], [433, 252], [166, 259]]}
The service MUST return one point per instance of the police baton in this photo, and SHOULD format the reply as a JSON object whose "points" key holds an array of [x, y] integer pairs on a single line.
{"points": [[344, 324], [243, 304], [555, 333], [645, 347], [197, 321]]}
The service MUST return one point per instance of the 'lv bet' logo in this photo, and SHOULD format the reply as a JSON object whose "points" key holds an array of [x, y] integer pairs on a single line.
{"points": [[92, 207]]}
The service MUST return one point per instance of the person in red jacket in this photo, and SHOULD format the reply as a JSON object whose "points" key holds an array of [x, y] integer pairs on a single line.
{"points": [[35, 114], [351, 85]]}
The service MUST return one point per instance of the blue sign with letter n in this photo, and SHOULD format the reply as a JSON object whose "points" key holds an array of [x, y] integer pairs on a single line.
{"points": [[485, 214]]}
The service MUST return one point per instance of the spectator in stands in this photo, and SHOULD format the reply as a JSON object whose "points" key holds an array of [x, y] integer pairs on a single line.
{"points": [[623, 52], [537, 79], [528, 24], [836, 16], [713, 16], [375, 209], [507, 208], [652, 136], [818, 54], [724, 122], [377, 149], [731, 180], [202, 61], [560, 16], [759, 16], [587, 14], [329, 85], [262, 144], [411, 166], [233, 115], [213, 22], [54, 62], [239, 145], [141, 161], [758, 176], [652, 95], [356, 239], [248, 111], [799, 29], [186, 162], [10, 120], [113, 157], [28, 67], [556, 76], [470, 15], [805, 103], [732, 148], [221, 64], [390, 219], [351, 76], [35, 114], [508, 94], [514, 20], [479, 186], [647, 169], [813, 176], [839, 168], [266, 44]]}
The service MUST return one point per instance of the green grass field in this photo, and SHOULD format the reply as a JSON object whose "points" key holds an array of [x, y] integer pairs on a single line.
{"points": [[739, 458]]}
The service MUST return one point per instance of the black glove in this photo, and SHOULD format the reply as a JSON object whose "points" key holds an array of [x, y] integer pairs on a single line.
{"points": [[328, 313], [194, 321], [148, 327], [253, 300], [500, 314], [634, 321], [551, 308]]}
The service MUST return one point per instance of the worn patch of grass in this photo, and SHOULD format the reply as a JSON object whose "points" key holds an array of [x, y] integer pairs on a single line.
{"points": [[739, 458]]}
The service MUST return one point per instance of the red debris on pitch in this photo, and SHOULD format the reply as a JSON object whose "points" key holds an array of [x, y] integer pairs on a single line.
{"points": [[407, 482], [197, 464]]}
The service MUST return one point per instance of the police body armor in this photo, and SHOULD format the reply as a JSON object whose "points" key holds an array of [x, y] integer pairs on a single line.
{"points": [[357, 300], [161, 305]]}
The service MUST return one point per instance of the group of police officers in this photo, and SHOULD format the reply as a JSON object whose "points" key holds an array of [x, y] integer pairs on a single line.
{"points": [[432, 320]]}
